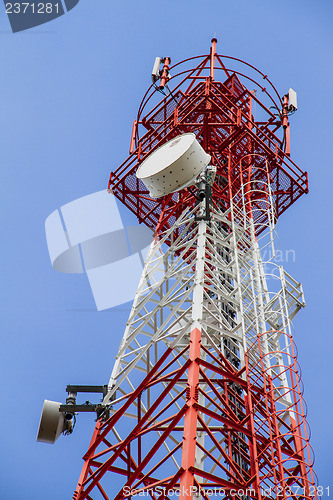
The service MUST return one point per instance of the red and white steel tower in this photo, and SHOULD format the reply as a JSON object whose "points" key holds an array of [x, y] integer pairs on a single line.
{"points": [[205, 397]]}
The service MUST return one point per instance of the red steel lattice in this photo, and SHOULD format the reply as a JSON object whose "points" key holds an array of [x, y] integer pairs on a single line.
{"points": [[220, 114], [265, 456]]}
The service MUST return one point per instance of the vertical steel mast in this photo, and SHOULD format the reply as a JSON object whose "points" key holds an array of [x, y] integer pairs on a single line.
{"points": [[205, 397]]}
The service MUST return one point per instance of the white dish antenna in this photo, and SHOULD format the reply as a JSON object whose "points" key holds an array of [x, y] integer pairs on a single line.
{"points": [[52, 422], [173, 166]]}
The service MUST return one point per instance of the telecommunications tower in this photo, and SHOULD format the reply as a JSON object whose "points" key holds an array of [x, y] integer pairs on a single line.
{"points": [[205, 397]]}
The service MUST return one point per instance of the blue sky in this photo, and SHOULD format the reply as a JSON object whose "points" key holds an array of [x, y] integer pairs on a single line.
{"points": [[70, 91]]}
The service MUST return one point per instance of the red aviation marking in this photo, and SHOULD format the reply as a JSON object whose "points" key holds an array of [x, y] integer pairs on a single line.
{"points": [[191, 418]]}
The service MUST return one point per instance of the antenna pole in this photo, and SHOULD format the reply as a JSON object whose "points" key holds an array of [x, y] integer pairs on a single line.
{"points": [[212, 58], [285, 123], [165, 73]]}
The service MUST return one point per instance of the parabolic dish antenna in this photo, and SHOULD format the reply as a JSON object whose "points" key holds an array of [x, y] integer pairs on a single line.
{"points": [[173, 166], [52, 422]]}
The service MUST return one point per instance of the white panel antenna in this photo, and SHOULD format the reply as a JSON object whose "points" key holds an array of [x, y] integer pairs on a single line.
{"points": [[292, 100], [155, 74]]}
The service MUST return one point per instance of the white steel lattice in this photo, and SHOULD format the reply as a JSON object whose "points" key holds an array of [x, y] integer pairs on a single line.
{"points": [[237, 305]]}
